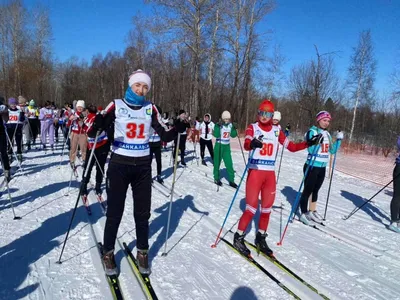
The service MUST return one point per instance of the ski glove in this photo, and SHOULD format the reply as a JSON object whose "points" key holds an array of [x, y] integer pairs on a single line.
{"points": [[2, 108], [98, 122], [315, 140], [339, 135], [256, 143]]}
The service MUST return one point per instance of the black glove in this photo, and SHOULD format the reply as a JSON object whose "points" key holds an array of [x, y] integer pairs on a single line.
{"points": [[256, 143], [81, 116], [315, 140], [98, 122], [180, 126]]}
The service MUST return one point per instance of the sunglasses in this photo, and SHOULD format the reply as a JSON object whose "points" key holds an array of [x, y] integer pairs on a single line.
{"points": [[265, 114]]}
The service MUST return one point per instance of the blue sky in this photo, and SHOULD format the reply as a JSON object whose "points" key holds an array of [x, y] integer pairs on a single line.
{"points": [[87, 27]]}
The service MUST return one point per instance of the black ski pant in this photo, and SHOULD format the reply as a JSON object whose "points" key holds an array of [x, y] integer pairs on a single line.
{"points": [[56, 128], [3, 149], [395, 204], [313, 182], [119, 177], [101, 154], [182, 146], [155, 149], [34, 128], [15, 134], [203, 144]]}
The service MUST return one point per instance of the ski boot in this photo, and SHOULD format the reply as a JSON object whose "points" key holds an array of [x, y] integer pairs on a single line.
{"points": [[110, 267], [238, 243], [28, 147], [316, 217], [73, 167], [98, 188], [218, 182], [159, 179], [183, 163], [394, 226], [19, 157], [234, 185], [7, 175], [203, 162], [262, 244], [52, 148], [143, 262], [305, 218]]}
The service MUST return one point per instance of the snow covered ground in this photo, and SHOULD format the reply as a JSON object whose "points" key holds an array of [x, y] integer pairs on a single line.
{"points": [[353, 259]]}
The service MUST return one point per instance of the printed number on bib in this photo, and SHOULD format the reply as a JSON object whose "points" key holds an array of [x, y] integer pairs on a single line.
{"points": [[13, 118], [324, 148], [134, 131], [267, 149], [226, 135]]}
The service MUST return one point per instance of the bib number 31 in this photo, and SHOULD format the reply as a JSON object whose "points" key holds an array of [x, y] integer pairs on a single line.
{"points": [[135, 131]]}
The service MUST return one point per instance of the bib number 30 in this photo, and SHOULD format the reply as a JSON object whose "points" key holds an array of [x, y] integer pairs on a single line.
{"points": [[267, 149], [135, 131]]}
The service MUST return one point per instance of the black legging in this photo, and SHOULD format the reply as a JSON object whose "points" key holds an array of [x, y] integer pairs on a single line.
{"points": [[203, 144], [395, 204], [312, 184], [3, 148], [101, 154], [155, 148], [15, 133], [182, 146]]}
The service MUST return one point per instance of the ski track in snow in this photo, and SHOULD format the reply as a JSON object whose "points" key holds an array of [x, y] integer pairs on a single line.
{"points": [[30, 248]]}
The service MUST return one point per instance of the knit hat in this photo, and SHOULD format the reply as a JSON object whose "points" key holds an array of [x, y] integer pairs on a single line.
{"points": [[80, 103], [99, 108], [12, 101], [140, 76], [182, 111], [2, 100], [21, 100], [226, 115], [277, 116], [32, 103], [322, 115], [266, 105]]}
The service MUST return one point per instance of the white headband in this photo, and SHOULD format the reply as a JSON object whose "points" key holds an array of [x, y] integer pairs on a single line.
{"points": [[140, 76]]}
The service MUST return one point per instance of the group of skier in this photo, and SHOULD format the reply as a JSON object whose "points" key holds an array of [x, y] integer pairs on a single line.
{"points": [[134, 130]]}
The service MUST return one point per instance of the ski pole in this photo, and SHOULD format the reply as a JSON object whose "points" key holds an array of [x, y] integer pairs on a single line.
{"points": [[65, 143], [85, 171], [233, 199], [241, 148], [172, 194], [330, 183], [277, 180], [297, 200], [220, 157], [15, 154], [358, 208], [9, 194]]}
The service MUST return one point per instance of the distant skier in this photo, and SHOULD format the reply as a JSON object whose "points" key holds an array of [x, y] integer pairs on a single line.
{"points": [[181, 122], [206, 134], [155, 149], [223, 132], [276, 119], [34, 123], [287, 129], [78, 133], [14, 127], [316, 173], [129, 121], [263, 138], [100, 152], [46, 117], [395, 203]]}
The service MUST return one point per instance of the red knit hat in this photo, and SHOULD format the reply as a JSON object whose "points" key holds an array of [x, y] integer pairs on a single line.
{"points": [[267, 106], [99, 108]]}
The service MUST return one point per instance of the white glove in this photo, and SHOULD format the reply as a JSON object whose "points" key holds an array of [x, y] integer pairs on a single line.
{"points": [[339, 135], [2, 108]]}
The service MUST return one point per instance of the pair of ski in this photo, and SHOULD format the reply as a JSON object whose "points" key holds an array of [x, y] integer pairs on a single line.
{"points": [[143, 279], [164, 189], [277, 263], [100, 199]]}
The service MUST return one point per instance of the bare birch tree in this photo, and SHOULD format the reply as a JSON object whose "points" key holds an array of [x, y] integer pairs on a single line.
{"points": [[361, 74]]}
